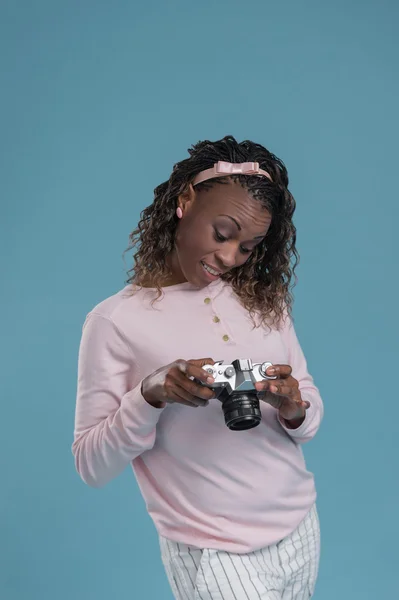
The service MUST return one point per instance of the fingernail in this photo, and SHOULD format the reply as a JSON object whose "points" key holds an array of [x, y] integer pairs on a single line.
{"points": [[210, 380], [273, 389], [271, 371]]}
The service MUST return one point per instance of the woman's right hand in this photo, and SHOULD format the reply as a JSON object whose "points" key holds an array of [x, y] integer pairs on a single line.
{"points": [[173, 384]]}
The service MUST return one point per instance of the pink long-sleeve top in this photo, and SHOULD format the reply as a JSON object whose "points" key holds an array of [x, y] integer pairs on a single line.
{"points": [[203, 484]]}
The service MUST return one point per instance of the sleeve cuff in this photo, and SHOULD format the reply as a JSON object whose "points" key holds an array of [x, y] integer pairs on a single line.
{"points": [[298, 431], [139, 415]]}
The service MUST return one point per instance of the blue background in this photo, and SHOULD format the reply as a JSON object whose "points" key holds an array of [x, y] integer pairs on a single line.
{"points": [[98, 100]]}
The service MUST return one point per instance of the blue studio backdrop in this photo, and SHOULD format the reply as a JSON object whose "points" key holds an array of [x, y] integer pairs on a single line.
{"points": [[98, 101]]}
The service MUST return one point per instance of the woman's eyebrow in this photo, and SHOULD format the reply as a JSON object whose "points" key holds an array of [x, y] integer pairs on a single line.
{"points": [[234, 221], [258, 237]]}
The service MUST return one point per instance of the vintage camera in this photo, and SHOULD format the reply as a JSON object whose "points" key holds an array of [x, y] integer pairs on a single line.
{"points": [[234, 386]]}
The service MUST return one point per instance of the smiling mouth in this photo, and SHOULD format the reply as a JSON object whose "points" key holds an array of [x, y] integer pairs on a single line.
{"points": [[211, 270]]}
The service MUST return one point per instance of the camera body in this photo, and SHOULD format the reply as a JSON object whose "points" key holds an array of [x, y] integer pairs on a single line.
{"points": [[234, 386]]}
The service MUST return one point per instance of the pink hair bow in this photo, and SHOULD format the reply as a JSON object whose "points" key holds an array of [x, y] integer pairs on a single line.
{"points": [[224, 169]]}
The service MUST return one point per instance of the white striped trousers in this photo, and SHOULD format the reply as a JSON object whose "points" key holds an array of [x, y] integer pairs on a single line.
{"points": [[285, 571]]}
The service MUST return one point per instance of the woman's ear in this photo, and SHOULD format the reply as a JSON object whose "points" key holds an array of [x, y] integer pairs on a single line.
{"points": [[186, 199]]}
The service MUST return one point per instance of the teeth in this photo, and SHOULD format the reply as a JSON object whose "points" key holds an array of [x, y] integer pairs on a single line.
{"points": [[210, 270]]}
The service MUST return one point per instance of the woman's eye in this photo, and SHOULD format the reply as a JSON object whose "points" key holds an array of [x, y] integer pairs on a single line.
{"points": [[219, 237]]}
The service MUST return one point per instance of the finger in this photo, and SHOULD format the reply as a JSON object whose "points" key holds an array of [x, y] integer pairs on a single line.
{"points": [[201, 362], [195, 390], [281, 389], [181, 368], [278, 381], [199, 373], [190, 398], [278, 387], [175, 393], [272, 399], [195, 369], [282, 371], [263, 386], [179, 364]]}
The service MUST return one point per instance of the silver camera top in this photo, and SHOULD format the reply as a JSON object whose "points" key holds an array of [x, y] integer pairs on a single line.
{"points": [[241, 375]]}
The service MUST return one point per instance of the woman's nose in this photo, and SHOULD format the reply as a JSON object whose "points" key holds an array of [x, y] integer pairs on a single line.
{"points": [[227, 255]]}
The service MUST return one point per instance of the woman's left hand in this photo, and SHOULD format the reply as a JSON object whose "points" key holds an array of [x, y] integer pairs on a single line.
{"points": [[283, 394]]}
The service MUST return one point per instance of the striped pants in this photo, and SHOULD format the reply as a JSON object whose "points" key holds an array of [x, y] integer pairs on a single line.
{"points": [[284, 571]]}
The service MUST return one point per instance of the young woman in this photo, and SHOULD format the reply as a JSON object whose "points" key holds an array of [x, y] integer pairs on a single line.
{"points": [[234, 509]]}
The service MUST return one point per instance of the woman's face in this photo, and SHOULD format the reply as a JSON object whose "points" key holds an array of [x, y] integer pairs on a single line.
{"points": [[219, 229]]}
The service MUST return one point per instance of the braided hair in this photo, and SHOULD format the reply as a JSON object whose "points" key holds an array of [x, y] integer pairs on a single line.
{"points": [[263, 283]]}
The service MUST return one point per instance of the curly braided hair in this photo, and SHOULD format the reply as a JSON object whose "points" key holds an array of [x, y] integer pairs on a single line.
{"points": [[263, 284]]}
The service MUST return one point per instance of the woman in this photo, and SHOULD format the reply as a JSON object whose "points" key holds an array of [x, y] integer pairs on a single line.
{"points": [[234, 509]]}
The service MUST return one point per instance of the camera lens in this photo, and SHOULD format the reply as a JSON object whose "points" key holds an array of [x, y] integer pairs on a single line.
{"points": [[241, 411]]}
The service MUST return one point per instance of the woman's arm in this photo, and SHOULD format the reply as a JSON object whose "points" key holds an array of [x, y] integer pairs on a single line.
{"points": [[309, 392], [113, 422]]}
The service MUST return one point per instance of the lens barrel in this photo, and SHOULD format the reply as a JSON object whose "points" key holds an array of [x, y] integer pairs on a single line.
{"points": [[241, 410]]}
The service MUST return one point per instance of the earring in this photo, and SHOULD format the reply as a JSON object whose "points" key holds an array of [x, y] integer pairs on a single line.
{"points": [[179, 212]]}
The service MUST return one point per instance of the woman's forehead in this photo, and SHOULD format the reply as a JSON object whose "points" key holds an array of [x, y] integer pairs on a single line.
{"points": [[232, 200]]}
